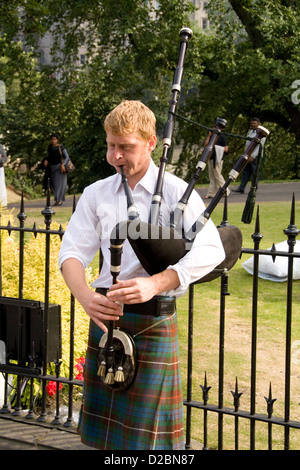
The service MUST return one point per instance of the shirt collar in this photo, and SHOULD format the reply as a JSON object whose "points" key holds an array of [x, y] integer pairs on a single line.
{"points": [[148, 181]]}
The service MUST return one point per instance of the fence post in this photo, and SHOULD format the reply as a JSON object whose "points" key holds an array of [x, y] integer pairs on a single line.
{"points": [[291, 231], [22, 217], [257, 236], [47, 213], [189, 366]]}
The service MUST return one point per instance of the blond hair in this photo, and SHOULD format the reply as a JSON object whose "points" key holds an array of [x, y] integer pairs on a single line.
{"points": [[131, 116]]}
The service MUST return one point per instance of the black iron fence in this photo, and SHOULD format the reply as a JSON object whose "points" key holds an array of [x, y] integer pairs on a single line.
{"points": [[30, 339], [236, 413], [30, 336]]}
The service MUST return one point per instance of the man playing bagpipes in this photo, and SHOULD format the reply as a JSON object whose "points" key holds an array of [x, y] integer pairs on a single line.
{"points": [[148, 415]]}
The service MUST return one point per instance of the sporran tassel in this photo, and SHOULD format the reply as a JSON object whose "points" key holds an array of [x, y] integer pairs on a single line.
{"points": [[109, 379], [102, 369], [119, 375]]}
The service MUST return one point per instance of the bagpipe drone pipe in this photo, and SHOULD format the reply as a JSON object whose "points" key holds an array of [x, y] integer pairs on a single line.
{"points": [[161, 246]]}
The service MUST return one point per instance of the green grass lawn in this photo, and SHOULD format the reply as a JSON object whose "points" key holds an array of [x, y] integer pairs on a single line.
{"points": [[274, 218]]}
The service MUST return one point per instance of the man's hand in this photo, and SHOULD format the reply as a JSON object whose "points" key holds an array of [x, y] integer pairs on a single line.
{"points": [[141, 289], [97, 306], [63, 168], [134, 291], [100, 309]]}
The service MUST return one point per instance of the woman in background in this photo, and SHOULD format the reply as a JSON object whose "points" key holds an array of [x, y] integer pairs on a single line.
{"points": [[57, 157]]}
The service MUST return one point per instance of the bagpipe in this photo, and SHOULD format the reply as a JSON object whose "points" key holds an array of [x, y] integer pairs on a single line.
{"points": [[158, 247]]}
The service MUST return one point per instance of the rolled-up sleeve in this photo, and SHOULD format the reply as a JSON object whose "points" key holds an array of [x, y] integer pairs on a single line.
{"points": [[81, 238], [205, 253]]}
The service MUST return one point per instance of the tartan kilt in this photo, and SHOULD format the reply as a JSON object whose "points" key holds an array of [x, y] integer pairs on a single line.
{"points": [[149, 414]]}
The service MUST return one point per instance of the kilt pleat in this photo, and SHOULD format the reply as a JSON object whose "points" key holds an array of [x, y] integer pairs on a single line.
{"points": [[148, 415]]}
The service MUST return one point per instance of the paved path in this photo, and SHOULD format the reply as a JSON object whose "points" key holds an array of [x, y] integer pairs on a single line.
{"points": [[17, 435], [265, 193]]}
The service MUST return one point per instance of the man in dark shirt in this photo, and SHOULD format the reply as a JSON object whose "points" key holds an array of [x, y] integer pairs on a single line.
{"points": [[250, 168]]}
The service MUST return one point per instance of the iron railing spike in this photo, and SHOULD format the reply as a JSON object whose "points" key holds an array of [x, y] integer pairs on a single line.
{"points": [[257, 221], [273, 250], [22, 214], [205, 390], [236, 396], [22, 202], [48, 193], [257, 236], [61, 231], [270, 402], [292, 219], [8, 227], [292, 231]]}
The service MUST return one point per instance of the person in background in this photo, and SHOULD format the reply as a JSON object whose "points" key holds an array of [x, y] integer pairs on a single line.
{"points": [[215, 165], [3, 192], [250, 168], [149, 414], [57, 157]]}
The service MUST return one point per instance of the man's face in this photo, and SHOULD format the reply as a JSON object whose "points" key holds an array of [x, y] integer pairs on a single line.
{"points": [[254, 124], [131, 152]]}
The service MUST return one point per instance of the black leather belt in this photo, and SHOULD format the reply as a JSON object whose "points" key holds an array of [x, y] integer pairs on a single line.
{"points": [[157, 306]]}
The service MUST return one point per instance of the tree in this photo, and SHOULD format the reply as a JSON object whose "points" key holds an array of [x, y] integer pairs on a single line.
{"points": [[132, 53]]}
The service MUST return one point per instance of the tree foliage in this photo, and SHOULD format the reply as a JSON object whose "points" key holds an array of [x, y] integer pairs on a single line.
{"points": [[131, 53], [244, 66], [247, 67]]}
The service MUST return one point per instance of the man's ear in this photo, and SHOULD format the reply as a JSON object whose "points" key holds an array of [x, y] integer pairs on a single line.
{"points": [[152, 143]]}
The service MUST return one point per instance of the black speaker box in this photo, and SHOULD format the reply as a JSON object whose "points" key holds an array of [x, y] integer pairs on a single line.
{"points": [[23, 327]]}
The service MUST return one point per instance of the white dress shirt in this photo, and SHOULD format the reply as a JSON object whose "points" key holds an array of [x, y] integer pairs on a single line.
{"points": [[252, 133], [103, 204]]}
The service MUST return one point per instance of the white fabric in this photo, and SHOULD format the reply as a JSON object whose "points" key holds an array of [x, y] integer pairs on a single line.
{"points": [[219, 153], [3, 193], [216, 179], [276, 271], [104, 203], [252, 133]]}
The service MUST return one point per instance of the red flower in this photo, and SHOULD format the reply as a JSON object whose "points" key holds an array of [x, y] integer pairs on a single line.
{"points": [[80, 367], [79, 376], [52, 388], [80, 363]]}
